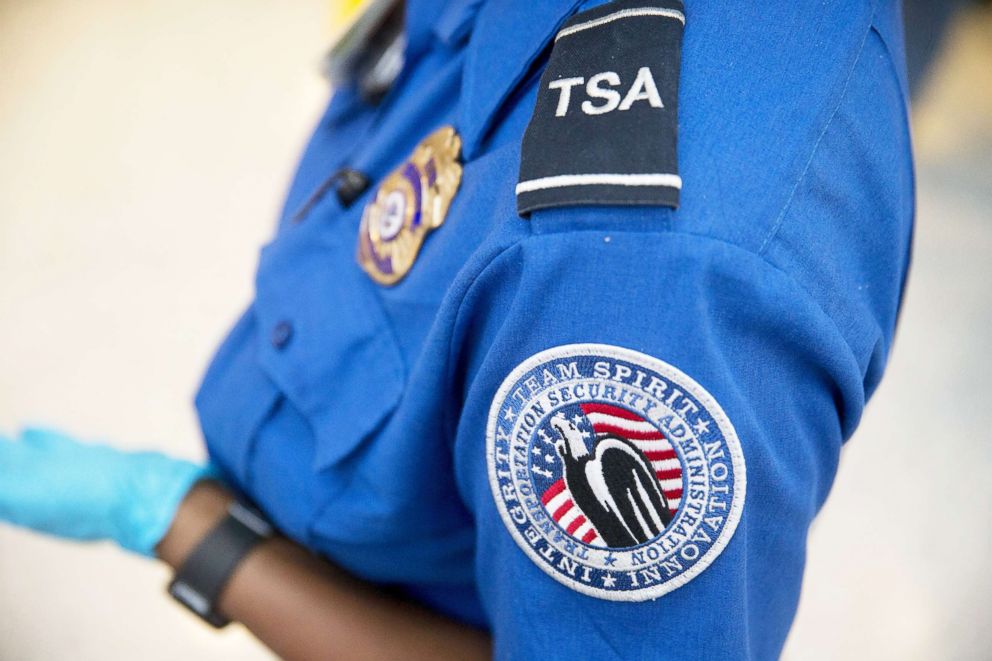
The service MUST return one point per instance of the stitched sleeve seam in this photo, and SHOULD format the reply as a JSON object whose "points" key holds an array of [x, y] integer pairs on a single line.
{"points": [[457, 317], [762, 257], [780, 218]]}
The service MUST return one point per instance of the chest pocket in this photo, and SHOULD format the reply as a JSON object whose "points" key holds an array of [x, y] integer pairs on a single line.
{"points": [[325, 340], [233, 400]]}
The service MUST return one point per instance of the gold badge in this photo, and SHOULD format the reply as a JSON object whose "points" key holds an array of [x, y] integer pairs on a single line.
{"points": [[412, 201]]}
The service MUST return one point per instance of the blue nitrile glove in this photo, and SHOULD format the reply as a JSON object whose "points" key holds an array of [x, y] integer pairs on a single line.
{"points": [[55, 484]]}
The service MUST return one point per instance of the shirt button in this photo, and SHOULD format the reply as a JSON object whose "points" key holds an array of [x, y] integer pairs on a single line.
{"points": [[351, 185], [281, 334]]}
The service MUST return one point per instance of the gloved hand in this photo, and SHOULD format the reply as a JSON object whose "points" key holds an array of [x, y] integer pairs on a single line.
{"points": [[86, 491]]}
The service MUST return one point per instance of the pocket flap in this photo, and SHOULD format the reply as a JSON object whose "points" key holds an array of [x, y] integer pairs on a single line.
{"points": [[334, 354], [234, 397]]}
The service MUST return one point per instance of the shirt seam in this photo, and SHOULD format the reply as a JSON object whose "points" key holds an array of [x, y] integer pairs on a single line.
{"points": [[519, 241], [780, 218], [489, 263]]}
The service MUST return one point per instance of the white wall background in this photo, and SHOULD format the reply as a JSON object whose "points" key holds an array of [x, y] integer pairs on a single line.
{"points": [[144, 149]]}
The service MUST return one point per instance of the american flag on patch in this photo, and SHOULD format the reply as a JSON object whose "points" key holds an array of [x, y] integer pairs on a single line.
{"points": [[616, 421]]}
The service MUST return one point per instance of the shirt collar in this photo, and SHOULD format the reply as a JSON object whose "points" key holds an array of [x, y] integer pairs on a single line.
{"points": [[419, 18], [507, 37], [457, 20]]}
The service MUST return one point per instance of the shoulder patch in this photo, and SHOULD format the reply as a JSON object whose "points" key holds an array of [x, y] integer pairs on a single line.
{"points": [[616, 473], [605, 126]]}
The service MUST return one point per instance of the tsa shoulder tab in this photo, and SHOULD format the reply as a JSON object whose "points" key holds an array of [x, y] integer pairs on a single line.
{"points": [[605, 126]]}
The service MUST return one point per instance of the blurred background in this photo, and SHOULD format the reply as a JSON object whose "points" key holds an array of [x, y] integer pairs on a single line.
{"points": [[144, 149]]}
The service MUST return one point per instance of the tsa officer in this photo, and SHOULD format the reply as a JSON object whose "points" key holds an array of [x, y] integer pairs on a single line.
{"points": [[570, 310]]}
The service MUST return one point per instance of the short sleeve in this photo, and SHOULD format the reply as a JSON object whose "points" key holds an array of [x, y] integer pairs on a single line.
{"points": [[649, 403], [649, 421]]}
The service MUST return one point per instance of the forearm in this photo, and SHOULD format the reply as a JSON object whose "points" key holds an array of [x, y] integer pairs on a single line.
{"points": [[302, 607]]}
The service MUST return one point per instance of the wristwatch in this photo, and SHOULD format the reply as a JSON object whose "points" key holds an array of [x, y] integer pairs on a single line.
{"points": [[201, 578]]}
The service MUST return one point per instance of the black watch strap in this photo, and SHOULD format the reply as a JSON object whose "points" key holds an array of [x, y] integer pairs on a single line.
{"points": [[205, 572]]}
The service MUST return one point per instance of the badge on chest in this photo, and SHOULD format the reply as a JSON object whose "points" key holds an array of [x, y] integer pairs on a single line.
{"points": [[410, 203]]}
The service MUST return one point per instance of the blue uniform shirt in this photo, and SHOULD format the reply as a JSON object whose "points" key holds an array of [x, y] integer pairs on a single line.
{"points": [[373, 423]]}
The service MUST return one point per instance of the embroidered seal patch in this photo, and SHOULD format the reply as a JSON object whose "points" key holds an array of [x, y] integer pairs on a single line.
{"points": [[615, 472]]}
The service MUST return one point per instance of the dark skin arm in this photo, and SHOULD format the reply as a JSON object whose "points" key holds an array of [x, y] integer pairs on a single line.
{"points": [[302, 607]]}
